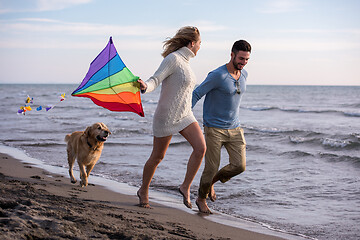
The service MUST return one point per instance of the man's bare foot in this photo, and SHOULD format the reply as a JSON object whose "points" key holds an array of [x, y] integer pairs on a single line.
{"points": [[203, 207], [212, 195], [142, 203]]}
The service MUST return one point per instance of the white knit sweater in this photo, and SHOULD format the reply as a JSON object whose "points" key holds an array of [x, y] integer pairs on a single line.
{"points": [[173, 112]]}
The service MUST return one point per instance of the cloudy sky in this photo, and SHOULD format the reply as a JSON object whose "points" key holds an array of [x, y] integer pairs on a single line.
{"points": [[295, 42]]}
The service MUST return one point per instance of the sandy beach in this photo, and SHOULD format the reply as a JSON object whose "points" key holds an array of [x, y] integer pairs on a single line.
{"points": [[36, 204]]}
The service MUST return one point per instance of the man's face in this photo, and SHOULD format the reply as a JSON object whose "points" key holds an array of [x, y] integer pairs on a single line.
{"points": [[240, 59]]}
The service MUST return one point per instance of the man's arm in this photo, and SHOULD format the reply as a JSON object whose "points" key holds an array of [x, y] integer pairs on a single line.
{"points": [[206, 86]]}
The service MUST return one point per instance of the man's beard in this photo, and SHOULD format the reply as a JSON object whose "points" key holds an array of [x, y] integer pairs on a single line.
{"points": [[236, 66]]}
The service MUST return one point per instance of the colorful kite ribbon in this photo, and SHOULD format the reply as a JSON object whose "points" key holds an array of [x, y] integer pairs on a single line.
{"points": [[30, 100]]}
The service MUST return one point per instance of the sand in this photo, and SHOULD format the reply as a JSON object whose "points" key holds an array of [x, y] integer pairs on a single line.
{"points": [[35, 204]]}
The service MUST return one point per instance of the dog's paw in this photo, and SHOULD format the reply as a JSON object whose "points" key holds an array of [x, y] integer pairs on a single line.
{"points": [[83, 184]]}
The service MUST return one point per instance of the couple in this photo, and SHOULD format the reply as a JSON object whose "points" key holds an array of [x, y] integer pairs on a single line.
{"points": [[223, 88]]}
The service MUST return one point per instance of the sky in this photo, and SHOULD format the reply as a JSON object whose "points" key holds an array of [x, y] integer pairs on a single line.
{"points": [[294, 42]]}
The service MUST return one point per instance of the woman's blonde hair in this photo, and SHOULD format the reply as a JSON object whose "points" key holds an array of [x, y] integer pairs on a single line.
{"points": [[183, 37]]}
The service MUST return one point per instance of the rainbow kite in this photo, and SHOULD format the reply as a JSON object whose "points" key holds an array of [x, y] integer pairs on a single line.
{"points": [[110, 84]]}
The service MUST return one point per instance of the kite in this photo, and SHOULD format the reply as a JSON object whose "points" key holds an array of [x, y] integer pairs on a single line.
{"points": [[110, 84], [62, 98], [30, 100], [24, 109]]}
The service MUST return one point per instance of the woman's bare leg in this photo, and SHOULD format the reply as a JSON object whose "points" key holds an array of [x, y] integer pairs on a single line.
{"points": [[195, 137], [160, 145]]}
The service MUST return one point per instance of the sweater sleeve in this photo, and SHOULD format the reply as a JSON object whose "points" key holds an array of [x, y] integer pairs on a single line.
{"points": [[165, 69]]}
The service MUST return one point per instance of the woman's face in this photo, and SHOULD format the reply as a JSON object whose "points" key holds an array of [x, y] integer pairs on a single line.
{"points": [[195, 46]]}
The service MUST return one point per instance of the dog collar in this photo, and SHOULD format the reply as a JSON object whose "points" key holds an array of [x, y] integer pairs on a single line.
{"points": [[91, 147]]}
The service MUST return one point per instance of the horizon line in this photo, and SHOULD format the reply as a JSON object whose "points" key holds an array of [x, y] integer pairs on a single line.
{"points": [[290, 85]]}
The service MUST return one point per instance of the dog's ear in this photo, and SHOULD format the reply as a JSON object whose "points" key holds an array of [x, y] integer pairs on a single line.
{"points": [[87, 131]]}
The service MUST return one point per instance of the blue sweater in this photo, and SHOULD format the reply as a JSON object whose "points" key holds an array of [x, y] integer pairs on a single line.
{"points": [[222, 102]]}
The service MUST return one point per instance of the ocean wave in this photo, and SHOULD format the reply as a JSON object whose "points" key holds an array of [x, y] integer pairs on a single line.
{"points": [[331, 157], [263, 130], [296, 154], [352, 114], [356, 135], [149, 101], [347, 142], [299, 110], [7, 141], [353, 105], [296, 136], [127, 144], [240, 195], [63, 107], [180, 143], [126, 131], [300, 139], [260, 108], [340, 143], [282, 131], [43, 144]]}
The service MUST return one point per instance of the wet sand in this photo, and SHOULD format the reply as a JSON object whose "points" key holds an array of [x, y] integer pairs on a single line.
{"points": [[36, 204]]}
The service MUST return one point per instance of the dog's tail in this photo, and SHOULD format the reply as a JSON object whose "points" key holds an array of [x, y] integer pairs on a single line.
{"points": [[67, 137]]}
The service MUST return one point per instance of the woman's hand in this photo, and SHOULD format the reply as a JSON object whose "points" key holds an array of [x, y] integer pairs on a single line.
{"points": [[143, 85]]}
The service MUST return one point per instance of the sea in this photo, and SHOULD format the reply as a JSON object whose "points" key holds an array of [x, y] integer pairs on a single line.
{"points": [[303, 152]]}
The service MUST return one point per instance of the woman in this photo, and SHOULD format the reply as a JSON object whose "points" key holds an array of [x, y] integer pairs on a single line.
{"points": [[173, 113]]}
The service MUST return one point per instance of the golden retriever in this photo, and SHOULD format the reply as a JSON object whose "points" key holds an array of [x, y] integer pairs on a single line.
{"points": [[86, 146]]}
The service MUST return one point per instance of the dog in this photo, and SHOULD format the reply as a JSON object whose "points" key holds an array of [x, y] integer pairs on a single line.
{"points": [[85, 146]]}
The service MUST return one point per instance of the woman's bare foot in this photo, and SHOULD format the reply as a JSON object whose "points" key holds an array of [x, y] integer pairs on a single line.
{"points": [[203, 207], [186, 197], [142, 202]]}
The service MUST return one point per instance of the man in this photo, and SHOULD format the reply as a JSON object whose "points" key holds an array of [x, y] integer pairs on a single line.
{"points": [[223, 88]]}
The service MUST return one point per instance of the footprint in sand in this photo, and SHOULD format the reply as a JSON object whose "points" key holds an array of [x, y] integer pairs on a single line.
{"points": [[36, 177], [74, 192]]}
